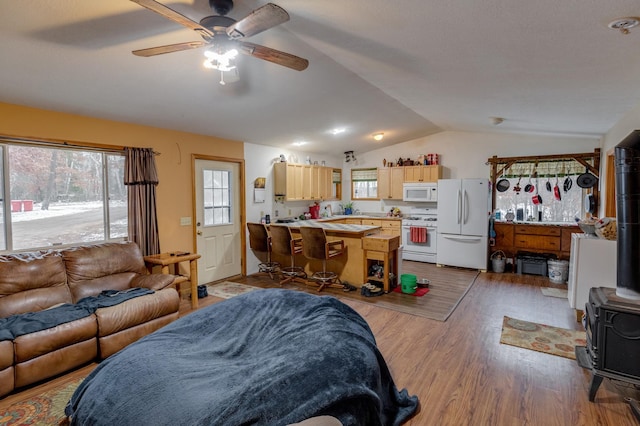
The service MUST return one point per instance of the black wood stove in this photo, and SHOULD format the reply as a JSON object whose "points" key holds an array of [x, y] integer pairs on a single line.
{"points": [[612, 316]]}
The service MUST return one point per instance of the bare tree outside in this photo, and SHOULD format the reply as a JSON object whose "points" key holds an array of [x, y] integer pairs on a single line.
{"points": [[58, 196]]}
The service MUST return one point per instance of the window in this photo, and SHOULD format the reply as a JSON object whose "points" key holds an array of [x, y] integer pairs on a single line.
{"points": [[544, 178], [217, 197], [364, 184], [58, 196]]}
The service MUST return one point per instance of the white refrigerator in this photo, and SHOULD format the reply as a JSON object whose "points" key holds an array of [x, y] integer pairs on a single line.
{"points": [[464, 208]]}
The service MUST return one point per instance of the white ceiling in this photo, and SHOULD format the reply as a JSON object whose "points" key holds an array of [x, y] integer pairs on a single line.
{"points": [[407, 68]]}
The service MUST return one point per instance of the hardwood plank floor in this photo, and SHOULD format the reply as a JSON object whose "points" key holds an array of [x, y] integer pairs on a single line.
{"points": [[464, 376]]}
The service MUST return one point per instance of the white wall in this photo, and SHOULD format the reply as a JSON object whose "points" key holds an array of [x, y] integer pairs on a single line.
{"points": [[621, 130], [464, 155], [259, 160]]}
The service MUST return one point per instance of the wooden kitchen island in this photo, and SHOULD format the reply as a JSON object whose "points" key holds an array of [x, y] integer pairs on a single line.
{"points": [[349, 266]]}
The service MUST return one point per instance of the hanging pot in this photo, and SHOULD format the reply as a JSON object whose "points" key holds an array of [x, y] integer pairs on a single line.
{"points": [[556, 189], [549, 185], [586, 180], [537, 199], [568, 183], [530, 187]]}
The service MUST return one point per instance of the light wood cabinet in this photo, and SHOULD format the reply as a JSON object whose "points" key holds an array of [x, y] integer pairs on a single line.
{"points": [[390, 180], [302, 181], [422, 173]]}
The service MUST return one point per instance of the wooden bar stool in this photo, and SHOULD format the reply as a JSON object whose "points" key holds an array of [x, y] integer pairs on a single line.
{"points": [[284, 244], [316, 246], [260, 241]]}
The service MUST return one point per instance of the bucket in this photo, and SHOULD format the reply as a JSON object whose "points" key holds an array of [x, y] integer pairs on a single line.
{"points": [[558, 270], [408, 283], [498, 261]]}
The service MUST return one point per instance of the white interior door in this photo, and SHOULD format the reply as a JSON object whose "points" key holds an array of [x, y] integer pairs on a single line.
{"points": [[217, 219]]}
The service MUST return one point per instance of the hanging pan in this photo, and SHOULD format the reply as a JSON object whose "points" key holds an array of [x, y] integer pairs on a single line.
{"points": [[556, 189], [503, 184], [586, 180]]}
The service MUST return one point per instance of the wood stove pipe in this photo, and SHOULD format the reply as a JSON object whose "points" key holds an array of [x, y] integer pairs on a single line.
{"points": [[627, 161]]}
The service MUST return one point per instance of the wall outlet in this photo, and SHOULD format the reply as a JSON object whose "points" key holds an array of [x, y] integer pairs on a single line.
{"points": [[276, 213], [185, 221]]}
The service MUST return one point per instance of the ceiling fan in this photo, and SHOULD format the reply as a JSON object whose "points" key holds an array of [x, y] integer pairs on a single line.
{"points": [[225, 36]]}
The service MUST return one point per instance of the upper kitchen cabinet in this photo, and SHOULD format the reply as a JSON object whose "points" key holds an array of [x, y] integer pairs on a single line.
{"points": [[390, 181], [302, 181], [422, 173]]}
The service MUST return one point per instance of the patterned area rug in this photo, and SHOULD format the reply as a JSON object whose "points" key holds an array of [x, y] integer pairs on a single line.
{"points": [[228, 289], [542, 338], [45, 409], [554, 292]]}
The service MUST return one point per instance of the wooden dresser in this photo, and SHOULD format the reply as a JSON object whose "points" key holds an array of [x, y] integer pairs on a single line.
{"points": [[536, 238]]}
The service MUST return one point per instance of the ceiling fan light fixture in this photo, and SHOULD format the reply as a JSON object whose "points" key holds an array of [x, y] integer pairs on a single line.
{"points": [[220, 61], [378, 136]]}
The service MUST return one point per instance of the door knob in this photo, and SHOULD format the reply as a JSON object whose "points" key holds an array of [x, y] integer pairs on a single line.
{"points": [[199, 232]]}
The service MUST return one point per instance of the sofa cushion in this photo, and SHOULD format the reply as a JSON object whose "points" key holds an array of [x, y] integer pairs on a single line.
{"points": [[86, 266], [137, 311], [6, 354], [32, 282], [33, 345]]}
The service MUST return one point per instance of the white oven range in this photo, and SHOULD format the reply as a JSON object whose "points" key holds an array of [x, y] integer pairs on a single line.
{"points": [[419, 234]]}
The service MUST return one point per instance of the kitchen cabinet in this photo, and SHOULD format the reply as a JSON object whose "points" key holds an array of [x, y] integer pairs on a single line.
{"points": [[422, 173], [302, 181], [536, 238], [390, 180]]}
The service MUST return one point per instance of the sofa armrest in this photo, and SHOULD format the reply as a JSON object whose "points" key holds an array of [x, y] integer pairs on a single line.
{"points": [[152, 281]]}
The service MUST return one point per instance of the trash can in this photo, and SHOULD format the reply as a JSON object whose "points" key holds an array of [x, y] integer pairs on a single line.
{"points": [[16, 206], [27, 205], [558, 271], [498, 261]]}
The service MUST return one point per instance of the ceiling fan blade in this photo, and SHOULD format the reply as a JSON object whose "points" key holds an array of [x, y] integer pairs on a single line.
{"points": [[261, 19], [272, 55], [170, 48], [175, 17]]}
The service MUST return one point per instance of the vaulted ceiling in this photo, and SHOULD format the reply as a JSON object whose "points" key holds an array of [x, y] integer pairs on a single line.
{"points": [[406, 68]]}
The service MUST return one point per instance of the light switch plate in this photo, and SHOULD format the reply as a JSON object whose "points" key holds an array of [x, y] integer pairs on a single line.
{"points": [[185, 221]]}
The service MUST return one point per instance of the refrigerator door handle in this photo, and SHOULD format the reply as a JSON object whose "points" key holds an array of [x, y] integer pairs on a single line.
{"points": [[459, 212], [465, 207], [462, 239]]}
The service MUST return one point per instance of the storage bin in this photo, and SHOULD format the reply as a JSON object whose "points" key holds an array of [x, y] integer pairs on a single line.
{"points": [[532, 265]]}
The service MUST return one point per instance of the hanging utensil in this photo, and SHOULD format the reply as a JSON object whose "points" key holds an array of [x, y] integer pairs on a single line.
{"points": [[517, 187], [556, 188], [548, 185], [568, 182], [537, 199], [586, 180]]}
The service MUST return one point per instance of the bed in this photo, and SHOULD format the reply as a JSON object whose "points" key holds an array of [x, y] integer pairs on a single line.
{"points": [[267, 357]]}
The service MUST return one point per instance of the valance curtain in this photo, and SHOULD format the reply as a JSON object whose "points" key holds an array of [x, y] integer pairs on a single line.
{"points": [[142, 178]]}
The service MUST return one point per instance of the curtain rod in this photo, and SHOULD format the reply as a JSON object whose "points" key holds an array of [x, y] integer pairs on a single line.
{"points": [[50, 143]]}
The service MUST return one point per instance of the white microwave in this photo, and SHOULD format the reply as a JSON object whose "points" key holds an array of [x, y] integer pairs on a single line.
{"points": [[420, 192]]}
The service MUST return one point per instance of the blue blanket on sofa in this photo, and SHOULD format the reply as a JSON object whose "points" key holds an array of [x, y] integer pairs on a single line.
{"points": [[268, 357]]}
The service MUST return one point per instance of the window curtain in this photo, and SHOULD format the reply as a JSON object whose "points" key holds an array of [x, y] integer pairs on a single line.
{"points": [[142, 178]]}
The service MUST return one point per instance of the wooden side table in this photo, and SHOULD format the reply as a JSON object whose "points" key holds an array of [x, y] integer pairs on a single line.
{"points": [[174, 258], [381, 248]]}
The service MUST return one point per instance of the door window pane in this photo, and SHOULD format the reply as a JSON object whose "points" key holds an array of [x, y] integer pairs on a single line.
{"points": [[217, 197]]}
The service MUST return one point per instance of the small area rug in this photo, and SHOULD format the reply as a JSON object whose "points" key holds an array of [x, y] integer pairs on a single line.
{"points": [[554, 292], [228, 289], [419, 291], [45, 409], [541, 337]]}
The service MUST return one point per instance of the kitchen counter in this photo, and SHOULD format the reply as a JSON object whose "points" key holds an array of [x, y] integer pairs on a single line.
{"points": [[348, 266], [332, 228]]}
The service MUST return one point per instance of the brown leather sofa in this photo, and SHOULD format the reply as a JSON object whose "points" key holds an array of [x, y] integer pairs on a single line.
{"points": [[37, 281]]}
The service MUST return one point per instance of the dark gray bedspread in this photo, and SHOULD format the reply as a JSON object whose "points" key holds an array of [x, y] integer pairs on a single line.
{"points": [[268, 357]]}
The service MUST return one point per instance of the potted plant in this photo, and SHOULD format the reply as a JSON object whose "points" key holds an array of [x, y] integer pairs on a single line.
{"points": [[347, 207]]}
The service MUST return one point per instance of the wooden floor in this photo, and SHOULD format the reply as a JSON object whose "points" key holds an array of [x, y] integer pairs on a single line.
{"points": [[464, 376]]}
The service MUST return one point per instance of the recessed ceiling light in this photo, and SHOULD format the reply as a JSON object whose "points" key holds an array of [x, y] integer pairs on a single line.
{"points": [[378, 136], [337, 130], [300, 143], [624, 24]]}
